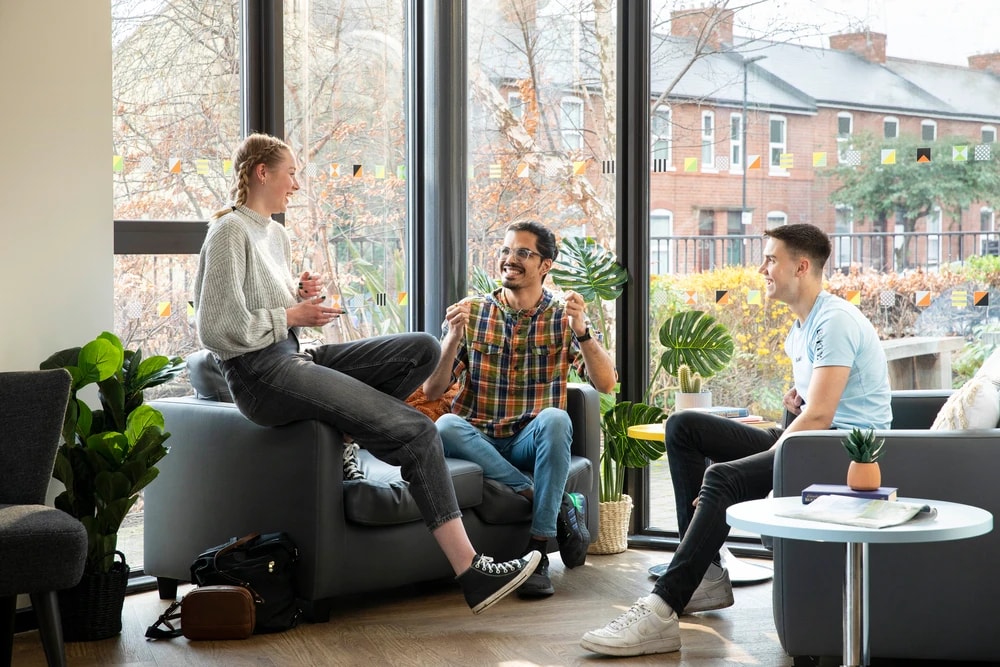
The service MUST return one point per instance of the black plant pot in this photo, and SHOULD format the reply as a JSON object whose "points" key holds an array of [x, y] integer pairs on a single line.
{"points": [[92, 609]]}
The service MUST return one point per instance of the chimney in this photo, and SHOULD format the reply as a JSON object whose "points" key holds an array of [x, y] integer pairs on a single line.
{"points": [[989, 62], [713, 25], [869, 45]]}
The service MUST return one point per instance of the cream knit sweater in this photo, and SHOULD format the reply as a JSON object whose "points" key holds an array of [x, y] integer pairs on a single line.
{"points": [[244, 284]]}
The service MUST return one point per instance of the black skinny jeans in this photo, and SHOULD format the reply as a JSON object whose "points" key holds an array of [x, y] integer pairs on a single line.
{"points": [[742, 469]]}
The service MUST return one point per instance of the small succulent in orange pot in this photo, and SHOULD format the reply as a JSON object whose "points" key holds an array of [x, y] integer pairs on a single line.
{"points": [[864, 449]]}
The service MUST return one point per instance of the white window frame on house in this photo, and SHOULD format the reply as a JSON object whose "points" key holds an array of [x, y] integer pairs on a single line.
{"points": [[988, 134], [736, 143], [516, 104], [843, 224], [708, 141], [571, 123], [844, 138], [989, 241], [776, 148], [661, 246], [661, 132], [933, 239], [895, 127], [927, 123], [775, 219]]}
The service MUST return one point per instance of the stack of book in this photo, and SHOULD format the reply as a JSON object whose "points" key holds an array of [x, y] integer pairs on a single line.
{"points": [[814, 491]]}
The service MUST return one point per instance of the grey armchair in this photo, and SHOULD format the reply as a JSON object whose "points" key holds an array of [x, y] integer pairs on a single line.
{"points": [[927, 601], [42, 549], [225, 476]]}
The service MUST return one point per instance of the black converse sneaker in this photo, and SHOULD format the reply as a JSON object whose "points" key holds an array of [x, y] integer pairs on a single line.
{"points": [[352, 464], [485, 583], [571, 529]]}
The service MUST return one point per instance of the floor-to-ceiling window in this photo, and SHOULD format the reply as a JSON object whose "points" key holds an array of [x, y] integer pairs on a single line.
{"points": [[344, 113], [176, 114], [550, 157]]}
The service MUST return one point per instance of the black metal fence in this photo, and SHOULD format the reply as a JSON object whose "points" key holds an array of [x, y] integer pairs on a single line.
{"points": [[882, 251]]}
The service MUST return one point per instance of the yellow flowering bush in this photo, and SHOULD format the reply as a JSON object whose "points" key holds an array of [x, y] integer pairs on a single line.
{"points": [[761, 372]]}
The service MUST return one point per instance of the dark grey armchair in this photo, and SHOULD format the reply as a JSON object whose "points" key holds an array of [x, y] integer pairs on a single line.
{"points": [[42, 549], [225, 476], [936, 601]]}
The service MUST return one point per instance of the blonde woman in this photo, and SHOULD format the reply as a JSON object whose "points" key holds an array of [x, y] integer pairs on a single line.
{"points": [[249, 308]]}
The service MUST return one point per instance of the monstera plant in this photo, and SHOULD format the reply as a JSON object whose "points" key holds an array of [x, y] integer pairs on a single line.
{"points": [[696, 346]]}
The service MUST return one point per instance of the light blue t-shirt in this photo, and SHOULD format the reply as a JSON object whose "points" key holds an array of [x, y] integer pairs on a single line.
{"points": [[837, 334]]}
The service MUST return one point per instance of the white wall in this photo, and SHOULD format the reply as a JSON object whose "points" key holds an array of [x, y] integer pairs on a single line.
{"points": [[56, 232]]}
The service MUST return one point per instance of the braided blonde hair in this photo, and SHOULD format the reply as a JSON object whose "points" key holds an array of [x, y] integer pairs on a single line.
{"points": [[257, 148]]}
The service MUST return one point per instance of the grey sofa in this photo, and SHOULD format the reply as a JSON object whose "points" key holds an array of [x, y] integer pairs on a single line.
{"points": [[225, 477], [937, 601]]}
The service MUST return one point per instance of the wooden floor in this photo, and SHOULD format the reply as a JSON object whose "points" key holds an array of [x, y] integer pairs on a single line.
{"points": [[431, 625]]}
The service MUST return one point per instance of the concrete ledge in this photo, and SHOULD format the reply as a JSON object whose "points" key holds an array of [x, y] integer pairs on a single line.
{"points": [[921, 362]]}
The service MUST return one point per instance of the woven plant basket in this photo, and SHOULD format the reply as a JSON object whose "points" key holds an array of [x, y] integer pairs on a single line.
{"points": [[92, 609], [612, 527]]}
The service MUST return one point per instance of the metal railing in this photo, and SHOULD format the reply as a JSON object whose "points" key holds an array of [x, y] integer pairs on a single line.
{"points": [[881, 251]]}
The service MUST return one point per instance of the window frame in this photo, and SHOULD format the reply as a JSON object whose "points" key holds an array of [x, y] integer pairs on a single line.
{"points": [[774, 158], [736, 156], [708, 141], [895, 123], [568, 126]]}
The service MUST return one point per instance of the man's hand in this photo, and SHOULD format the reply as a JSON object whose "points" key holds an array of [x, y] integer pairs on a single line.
{"points": [[792, 401], [457, 317], [575, 308]]}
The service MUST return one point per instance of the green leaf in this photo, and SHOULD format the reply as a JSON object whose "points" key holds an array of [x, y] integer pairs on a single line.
{"points": [[481, 281], [622, 451], [695, 338], [588, 268], [99, 360]]}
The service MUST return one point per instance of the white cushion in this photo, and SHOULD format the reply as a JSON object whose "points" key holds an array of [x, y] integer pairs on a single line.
{"points": [[975, 406], [991, 367]]}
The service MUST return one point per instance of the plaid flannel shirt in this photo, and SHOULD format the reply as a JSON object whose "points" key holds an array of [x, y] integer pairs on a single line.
{"points": [[511, 364]]}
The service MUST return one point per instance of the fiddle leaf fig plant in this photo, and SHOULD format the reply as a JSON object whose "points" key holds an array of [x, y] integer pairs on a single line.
{"points": [[109, 455]]}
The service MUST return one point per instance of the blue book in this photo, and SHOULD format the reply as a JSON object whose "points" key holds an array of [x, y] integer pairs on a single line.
{"points": [[725, 411], [814, 491]]}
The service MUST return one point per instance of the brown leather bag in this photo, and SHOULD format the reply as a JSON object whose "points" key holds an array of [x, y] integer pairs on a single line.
{"points": [[209, 613]]}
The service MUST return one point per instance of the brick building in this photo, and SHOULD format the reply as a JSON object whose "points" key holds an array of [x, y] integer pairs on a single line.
{"points": [[803, 107]]}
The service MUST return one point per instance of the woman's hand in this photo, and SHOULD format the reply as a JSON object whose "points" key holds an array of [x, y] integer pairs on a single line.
{"points": [[310, 285], [312, 313]]}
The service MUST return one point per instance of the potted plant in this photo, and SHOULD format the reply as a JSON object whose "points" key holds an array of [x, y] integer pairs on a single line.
{"points": [[593, 271], [863, 474], [106, 458], [696, 346], [621, 451]]}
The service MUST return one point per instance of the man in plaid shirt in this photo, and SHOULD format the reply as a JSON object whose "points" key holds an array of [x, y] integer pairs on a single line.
{"points": [[510, 352]]}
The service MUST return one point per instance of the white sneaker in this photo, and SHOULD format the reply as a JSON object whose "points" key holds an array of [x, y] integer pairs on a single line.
{"points": [[638, 631], [714, 592]]}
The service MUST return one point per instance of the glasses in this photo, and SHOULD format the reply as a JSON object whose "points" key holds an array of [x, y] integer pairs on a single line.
{"points": [[522, 253]]}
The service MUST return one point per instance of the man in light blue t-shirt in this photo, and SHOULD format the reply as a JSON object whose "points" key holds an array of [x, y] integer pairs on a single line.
{"points": [[841, 380]]}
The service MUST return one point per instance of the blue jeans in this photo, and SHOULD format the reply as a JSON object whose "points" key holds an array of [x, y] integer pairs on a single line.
{"points": [[359, 388], [543, 446], [742, 469]]}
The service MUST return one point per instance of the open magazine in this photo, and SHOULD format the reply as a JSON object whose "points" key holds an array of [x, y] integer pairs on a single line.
{"points": [[858, 511]]}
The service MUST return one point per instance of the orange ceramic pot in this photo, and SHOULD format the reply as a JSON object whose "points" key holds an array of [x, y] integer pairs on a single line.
{"points": [[864, 476]]}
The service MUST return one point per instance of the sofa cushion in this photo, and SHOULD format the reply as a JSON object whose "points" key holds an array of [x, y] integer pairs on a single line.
{"points": [[206, 377], [975, 406], [383, 497], [991, 367], [501, 505]]}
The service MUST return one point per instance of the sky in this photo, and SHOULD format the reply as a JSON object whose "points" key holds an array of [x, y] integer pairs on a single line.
{"points": [[943, 31]]}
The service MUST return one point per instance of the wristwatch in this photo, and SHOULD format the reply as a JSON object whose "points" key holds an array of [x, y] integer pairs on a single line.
{"points": [[585, 337]]}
